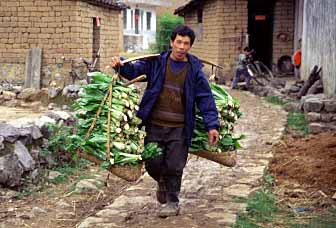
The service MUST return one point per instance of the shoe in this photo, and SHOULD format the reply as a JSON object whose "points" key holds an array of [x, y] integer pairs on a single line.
{"points": [[161, 193], [169, 209]]}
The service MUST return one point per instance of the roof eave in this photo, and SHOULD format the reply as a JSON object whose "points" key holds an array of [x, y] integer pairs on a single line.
{"points": [[189, 6], [102, 3]]}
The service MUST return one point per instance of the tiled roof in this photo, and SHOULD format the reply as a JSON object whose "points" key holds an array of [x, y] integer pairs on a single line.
{"points": [[112, 4], [189, 6]]}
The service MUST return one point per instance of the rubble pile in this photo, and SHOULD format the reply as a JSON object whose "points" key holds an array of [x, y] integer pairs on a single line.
{"points": [[21, 145]]}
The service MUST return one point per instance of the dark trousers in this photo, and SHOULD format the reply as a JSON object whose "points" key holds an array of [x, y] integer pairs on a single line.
{"points": [[236, 78], [168, 168]]}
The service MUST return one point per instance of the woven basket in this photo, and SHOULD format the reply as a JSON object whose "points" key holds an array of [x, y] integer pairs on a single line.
{"points": [[126, 172], [226, 158]]}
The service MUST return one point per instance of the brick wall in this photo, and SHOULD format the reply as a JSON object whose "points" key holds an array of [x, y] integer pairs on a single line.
{"points": [[60, 28], [206, 43], [233, 14], [225, 23], [283, 27]]}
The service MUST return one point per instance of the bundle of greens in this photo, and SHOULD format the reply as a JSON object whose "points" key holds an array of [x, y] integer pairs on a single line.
{"points": [[228, 113], [126, 139]]}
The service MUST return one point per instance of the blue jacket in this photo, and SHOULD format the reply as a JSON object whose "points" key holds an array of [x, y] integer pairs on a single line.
{"points": [[196, 90]]}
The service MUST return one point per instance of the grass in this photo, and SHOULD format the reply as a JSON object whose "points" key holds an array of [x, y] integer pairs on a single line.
{"points": [[275, 100], [263, 210], [297, 121], [68, 170]]}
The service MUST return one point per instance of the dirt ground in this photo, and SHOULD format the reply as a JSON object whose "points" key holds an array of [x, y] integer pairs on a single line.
{"points": [[305, 171], [16, 212]]}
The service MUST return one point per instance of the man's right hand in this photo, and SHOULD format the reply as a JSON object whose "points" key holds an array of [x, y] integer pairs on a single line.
{"points": [[116, 62]]}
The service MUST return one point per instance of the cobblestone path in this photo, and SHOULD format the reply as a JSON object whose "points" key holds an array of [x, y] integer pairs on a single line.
{"points": [[211, 194]]}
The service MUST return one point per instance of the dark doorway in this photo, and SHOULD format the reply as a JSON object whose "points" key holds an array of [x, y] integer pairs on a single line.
{"points": [[260, 28]]}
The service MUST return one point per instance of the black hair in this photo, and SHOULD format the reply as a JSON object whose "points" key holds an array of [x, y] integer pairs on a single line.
{"points": [[246, 49], [183, 30]]}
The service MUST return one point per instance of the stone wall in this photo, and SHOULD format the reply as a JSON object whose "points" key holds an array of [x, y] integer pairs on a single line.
{"points": [[60, 28], [21, 145], [320, 112]]}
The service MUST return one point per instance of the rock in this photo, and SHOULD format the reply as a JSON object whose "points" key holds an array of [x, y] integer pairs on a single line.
{"points": [[294, 89], [25, 159], [60, 205], [36, 105], [10, 170], [85, 185], [35, 132], [12, 103], [330, 105], [17, 89], [54, 91], [65, 107], [24, 215], [313, 116], [36, 211], [30, 94], [24, 122], [34, 176], [53, 175], [2, 145], [43, 121], [71, 89], [51, 106], [312, 105], [334, 196], [58, 115], [274, 93], [35, 152], [10, 133], [292, 107], [8, 95], [327, 117], [7, 148], [10, 194], [316, 128]]}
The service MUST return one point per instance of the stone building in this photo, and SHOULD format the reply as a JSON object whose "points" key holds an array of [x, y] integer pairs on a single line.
{"points": [[224, 27], [271, 27], [63, 29]]}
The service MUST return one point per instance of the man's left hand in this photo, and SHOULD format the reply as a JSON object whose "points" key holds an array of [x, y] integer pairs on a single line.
{"points": [[213, 136]]}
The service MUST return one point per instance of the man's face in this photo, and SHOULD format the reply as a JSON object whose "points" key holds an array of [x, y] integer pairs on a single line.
{"points": [[180, 47]]}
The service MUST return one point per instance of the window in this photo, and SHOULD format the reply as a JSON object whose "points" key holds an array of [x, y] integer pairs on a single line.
{"points": [[136, 20], [125, 18], [149, 18]]}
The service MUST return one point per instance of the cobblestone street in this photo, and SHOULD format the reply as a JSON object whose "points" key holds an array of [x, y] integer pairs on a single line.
{"points": [[211, 194]]}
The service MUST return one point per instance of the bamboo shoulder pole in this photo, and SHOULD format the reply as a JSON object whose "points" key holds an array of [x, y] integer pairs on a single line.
{"points": [[108, 154]]}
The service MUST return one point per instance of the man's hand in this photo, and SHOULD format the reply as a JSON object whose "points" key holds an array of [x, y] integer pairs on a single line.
{"points": [[213, 136], [116, 62]]}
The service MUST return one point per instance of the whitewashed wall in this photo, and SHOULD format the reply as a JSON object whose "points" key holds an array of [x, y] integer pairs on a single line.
{"points": [[319, 41], [148, 36]]}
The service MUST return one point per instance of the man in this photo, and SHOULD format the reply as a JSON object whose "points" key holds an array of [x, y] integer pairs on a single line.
{"points": [[175, 83], [243, 60]]}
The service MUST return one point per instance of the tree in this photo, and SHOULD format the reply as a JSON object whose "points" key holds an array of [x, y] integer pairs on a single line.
{"points": [[166, 24]]}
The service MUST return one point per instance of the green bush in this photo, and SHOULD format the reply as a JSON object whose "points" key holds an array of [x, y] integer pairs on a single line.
{"points": [[166, 23]]}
